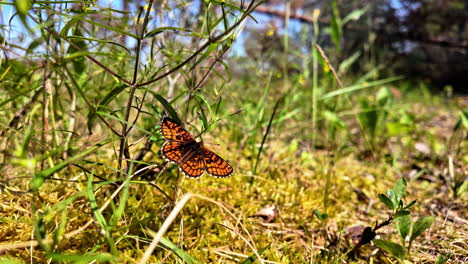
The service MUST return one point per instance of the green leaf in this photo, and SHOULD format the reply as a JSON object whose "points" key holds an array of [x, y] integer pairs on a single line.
{"points": [[203, 104], [224, 3], [58, 233], [40, 226], [344, 66], [393, 249], [117, 215], [368, 117], [384, 198], [407, 119], [336, 30], [228, 71], [461, 187], [441, 259], [167, 106], [102, 41], [104, 102], [400, 188], [209, 50], [355, 15], [23, 7], [384, 96], [333, 118], [70, 24], [79, 63], [402, 213], [179, 252], [33, 45], [420, 226], [396, 129], [462, 120], [403, 225], [320, 216], [160, 30], [99, 217], [410, 204], [23, 150], [115, 29]]}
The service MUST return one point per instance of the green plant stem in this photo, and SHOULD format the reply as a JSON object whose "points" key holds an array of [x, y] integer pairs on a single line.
{"points": [[286, 43], [123, 141], [314, 84], [265, 137]]}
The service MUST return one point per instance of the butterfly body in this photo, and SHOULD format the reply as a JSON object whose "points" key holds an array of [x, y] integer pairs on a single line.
{"points": [[192, 157]]}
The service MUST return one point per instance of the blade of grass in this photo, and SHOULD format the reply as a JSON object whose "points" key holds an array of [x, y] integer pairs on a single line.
{"points": [[39, 178], [184, 256], [123, 199], [358, 87], [118, 30], [102, 257], [99, 217], [315, 78], [264, 139]]}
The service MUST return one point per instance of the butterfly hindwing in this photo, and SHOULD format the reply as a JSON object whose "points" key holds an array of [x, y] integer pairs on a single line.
{"points": [[194, 167], [174, 151], [215, 165]]}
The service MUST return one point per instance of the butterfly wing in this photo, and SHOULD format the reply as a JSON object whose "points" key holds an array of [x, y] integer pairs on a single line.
{"points": [[179, 148], [175, 151], [215, 165], [194, 167], [172, 131]]}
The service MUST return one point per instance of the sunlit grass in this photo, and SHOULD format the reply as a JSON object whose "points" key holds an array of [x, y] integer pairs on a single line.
{"points": [[289, 176]]}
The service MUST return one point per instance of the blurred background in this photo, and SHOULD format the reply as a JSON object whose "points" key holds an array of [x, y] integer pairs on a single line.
{"points": [[421, 40]]}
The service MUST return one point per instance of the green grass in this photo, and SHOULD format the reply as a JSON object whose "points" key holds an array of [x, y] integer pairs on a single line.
{"points": [[82, 177]]}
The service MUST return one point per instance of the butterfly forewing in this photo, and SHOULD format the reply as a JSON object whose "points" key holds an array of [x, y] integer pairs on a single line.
{"points": [[172, 131], [215, 165]]}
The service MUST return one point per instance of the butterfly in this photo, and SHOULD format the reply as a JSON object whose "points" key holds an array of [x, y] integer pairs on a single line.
{"points": [[191, 156]]}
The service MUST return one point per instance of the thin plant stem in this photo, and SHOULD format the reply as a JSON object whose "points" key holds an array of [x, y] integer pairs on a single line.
{"points": [[125, 131], [314, 83], [265, 137], [286, 43]]}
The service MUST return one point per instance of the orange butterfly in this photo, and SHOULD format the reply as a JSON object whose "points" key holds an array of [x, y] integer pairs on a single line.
{"points": [[191, 156]]}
